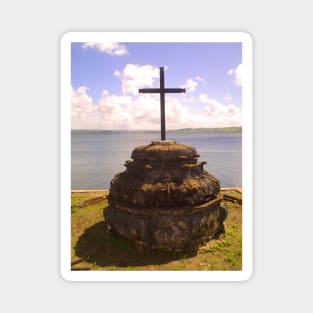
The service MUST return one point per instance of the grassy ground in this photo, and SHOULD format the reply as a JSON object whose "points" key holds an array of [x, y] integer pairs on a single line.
{"points": [[93, 249]]}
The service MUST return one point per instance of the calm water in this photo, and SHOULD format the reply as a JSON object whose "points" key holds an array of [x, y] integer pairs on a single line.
{"points": [[98, 156]]}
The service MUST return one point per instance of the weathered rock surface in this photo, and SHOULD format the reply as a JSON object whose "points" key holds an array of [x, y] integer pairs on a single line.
{"points": [[165, 200]]}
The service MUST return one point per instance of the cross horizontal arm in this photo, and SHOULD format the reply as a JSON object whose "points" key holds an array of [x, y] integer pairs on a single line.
{"points": [[174, 90], [151, 90], [159, 90]]}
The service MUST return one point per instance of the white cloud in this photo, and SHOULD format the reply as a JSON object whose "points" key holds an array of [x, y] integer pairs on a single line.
{"points": [[143, 112], [219, 114], [228, 97], [237, 73], [136, 76], [82, 107], [190, 85], [112, 48], [200, 79], [81, 102], [230, 72]]}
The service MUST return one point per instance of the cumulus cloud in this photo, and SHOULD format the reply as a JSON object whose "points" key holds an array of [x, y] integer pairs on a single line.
{"points": [[81, 102], [219, 114], [143, 112], [135, 76], [112, 48], [237, 73], [190, 85], [82, 107]]}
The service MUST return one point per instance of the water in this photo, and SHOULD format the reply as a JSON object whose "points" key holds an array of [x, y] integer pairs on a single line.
{"points": [[98, 156]]}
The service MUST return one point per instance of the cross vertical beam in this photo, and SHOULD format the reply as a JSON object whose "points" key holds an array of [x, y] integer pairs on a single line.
{"points": [[162, 91], [162, 103]]}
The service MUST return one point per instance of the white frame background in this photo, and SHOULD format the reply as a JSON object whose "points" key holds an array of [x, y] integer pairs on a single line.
{"points": [[247, 156]]}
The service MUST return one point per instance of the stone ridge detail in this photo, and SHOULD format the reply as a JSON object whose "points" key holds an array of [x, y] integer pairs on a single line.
{"points": [[165, 199]]}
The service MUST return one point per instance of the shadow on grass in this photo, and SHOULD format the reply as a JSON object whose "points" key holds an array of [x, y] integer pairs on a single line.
{"points": [[97, 247]]}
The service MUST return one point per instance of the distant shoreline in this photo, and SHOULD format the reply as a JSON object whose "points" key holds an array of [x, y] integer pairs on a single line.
{"points": [[183, 130]]}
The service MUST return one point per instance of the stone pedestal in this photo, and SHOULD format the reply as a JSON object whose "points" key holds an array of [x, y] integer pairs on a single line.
{"points": [[165, 200]]}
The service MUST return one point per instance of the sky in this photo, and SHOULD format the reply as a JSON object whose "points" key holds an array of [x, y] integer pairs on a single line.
{"points": [[105, 79]]}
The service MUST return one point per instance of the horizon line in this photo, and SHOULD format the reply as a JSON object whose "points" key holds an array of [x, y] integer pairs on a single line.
{"points": [[168, 130]]}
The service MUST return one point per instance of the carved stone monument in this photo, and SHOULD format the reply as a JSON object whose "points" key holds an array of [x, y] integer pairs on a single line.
{"points": [[165, 200]]}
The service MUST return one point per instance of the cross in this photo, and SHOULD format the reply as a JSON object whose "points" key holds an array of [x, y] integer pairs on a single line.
{"points": [[162, 91]]}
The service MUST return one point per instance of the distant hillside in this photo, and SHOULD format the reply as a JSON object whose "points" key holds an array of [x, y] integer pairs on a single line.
{"points": [[183, 130], [209, 130]]}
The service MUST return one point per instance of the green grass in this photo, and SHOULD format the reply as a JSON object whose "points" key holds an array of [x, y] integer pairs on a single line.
{"points": [[94, 249]]}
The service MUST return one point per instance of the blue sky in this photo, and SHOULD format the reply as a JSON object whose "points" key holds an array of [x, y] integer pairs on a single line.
{"points": [[106, 76]]}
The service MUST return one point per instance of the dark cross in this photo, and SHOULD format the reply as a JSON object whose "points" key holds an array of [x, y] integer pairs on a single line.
{"points": [[162, 91]]}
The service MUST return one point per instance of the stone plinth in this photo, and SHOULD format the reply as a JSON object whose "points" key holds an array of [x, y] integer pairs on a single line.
{"points": [[165, 200]]}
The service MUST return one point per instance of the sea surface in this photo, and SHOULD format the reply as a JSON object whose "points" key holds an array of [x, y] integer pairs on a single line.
{"points": [[98, 155]]}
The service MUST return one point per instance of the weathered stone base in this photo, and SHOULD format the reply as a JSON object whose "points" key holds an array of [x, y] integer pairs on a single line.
{"points": [[173, 229]]}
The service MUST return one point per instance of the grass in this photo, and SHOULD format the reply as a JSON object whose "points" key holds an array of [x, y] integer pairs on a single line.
{"points": [[94, 249]]}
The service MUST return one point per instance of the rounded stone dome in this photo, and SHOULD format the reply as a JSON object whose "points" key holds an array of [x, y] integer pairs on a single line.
{"points": [[164, 151], [165, 200], [163, 174]]}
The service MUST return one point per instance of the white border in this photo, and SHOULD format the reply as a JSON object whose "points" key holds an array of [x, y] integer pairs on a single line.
{"points": [[65, 150]]}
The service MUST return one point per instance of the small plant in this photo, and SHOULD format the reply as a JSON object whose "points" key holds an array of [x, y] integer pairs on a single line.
{"points": [[229, 232], [227, 242], [130, 268], [230, 258]]}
